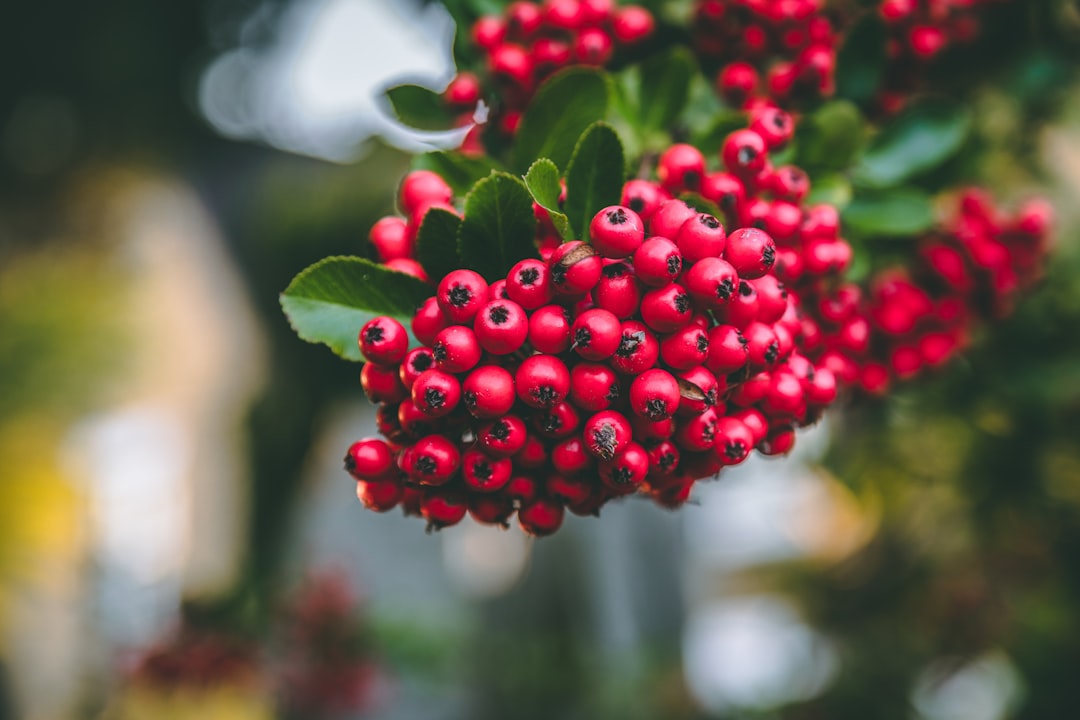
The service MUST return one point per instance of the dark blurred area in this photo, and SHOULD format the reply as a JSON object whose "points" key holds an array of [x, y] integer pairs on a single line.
{"points": [[176, 536]]}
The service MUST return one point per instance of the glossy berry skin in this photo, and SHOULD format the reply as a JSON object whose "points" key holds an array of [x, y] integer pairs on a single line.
{"points": [[761, 345], [493, 509], [667, 309], [751, 252], [698, 433], [463, 91], [428, 321], [556, 422], [606, 434], [700, 237], [593, 386], [702, 393], [369, 459], [570, 457], [488, 391], [728, 192], [663, 457], [631, 24], [383, 340], [734, 441], [744, 153], [669, 218], [658, 262], [685, 348], [644, 198], [433, 460], [736, 82], [416, 362], [390, 238], [442, 509], [422, 188], [638, 349], [772, 299], [484, 473], [461, 294], [412, 422], [379, 495], [654, 394], [712, 282], [549, 329], [541, 517], [501, 327], [436, 393], [616, 231], [574, 268], [744, 306], [786, 396], [503, 437], [775, 127], [680, 167], [595, 334], [618, 291], [627, 470], [381, 383], [728, 350], [542, 381], [529, 284], [456, 349]]}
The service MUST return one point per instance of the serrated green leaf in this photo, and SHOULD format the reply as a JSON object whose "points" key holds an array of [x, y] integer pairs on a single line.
{"points": [[499, 226], [331, 300], [664, 88], [420, 107], [711, 138], [861, 61], [918, 140], [459, 171], [896, 212], [543, 183], [436, 242], [828, 140], [832, 190], [570, 101], [595, 176]]}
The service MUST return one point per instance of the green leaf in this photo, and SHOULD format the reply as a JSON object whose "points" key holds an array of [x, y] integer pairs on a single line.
{"points": [[595, 176], [664, 88], [897, 212], [436, 242], [569, 102], [331, 300], [711, 138], [920, 139], [829, 139], [499, 226], [459, 171], [543, 183], [861, 61], [420, 107], [832, 190], [702, 204]]}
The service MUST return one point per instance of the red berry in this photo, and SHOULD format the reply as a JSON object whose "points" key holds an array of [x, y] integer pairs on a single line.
{"points": [[488, 391], [700, 237], [734, 441], [698, 390], [433, 460], [461, 294], [596, 334], [736, 82], [761, 345], [712, 282], [483, 472], [529, 284], [383, 340], [744, 153], [681, 167], [643, 197], [607, 434], [654, 394], [408, 267], [416, 362], [698, 433], [774, 126], [663, 458], [667, 309], [442, 509], [502, 437], [512, 67], [533, 454], [627, 470], [669, 218], [658, 261], [494, 509], [428, 321], [541, 517], [379, 495], [413, 422], [456, 349], [542, 381], [616, 231], [422, 188], [575, 268], [390, 238], [549, 329], [569, 457], [727, 350], [728, 192], [685, 348], [631, 24], [786, 396], [744, 306], [557, 422], [381, 383], [463, 91], [369, 459], [436, 393], [501, 327], [593, 47], [751, 252], [593, 386], [638, 349]]}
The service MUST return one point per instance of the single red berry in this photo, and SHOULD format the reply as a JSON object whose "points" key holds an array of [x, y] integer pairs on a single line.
{"points": [[626, 471], [503, 437], [369, 459], [390, 238], [542, 381], [557, 422], [728, 350], [522, 489], [658, 261], [681, 167], [593, 46], [483, 472], [736, 82], [774, 126], [379, 495], [786, 396], [631, 24], [654, 394], [442, 509], [643, 197], [649, 430], [685, 348], [607, 434], [433, 460], [752, 390], [638, 349], [497, 290], [381, 383], [772, 298], [456, 349], [616, 231], [669, 218], [463, 92], [762, 347], [416, 362], [488, 32], [698, 433], [700, 237], [726, 191], [570, 457], [549, 329], [511, 67], [821, 387], [563, 14], [428, 321], [663, 458], [574, 268], [461, 294], [743, 308], [501, 327], [488, 391], [593, 386], [790, 183], [618, 291], [779, 441], [529, 284], [744, 153], [751, 252], [436, 393], [734, 441], [412, 422], [699, 390], [668, 308], [550, 54], [422, 188], [383, 340], [541, 517], [712, 282], [596, 334], [491, 509]]}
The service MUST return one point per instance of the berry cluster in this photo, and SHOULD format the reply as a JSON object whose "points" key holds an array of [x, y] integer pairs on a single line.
{"points": [[916, 319], [763, 49], [394, 237]]}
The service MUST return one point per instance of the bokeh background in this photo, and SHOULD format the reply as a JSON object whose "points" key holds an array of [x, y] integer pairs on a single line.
{"points": [[177, 537]]}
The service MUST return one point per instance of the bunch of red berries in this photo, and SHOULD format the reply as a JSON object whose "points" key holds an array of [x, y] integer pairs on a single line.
{"points": [[916, 319], [394, 237], [783, 51]]}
